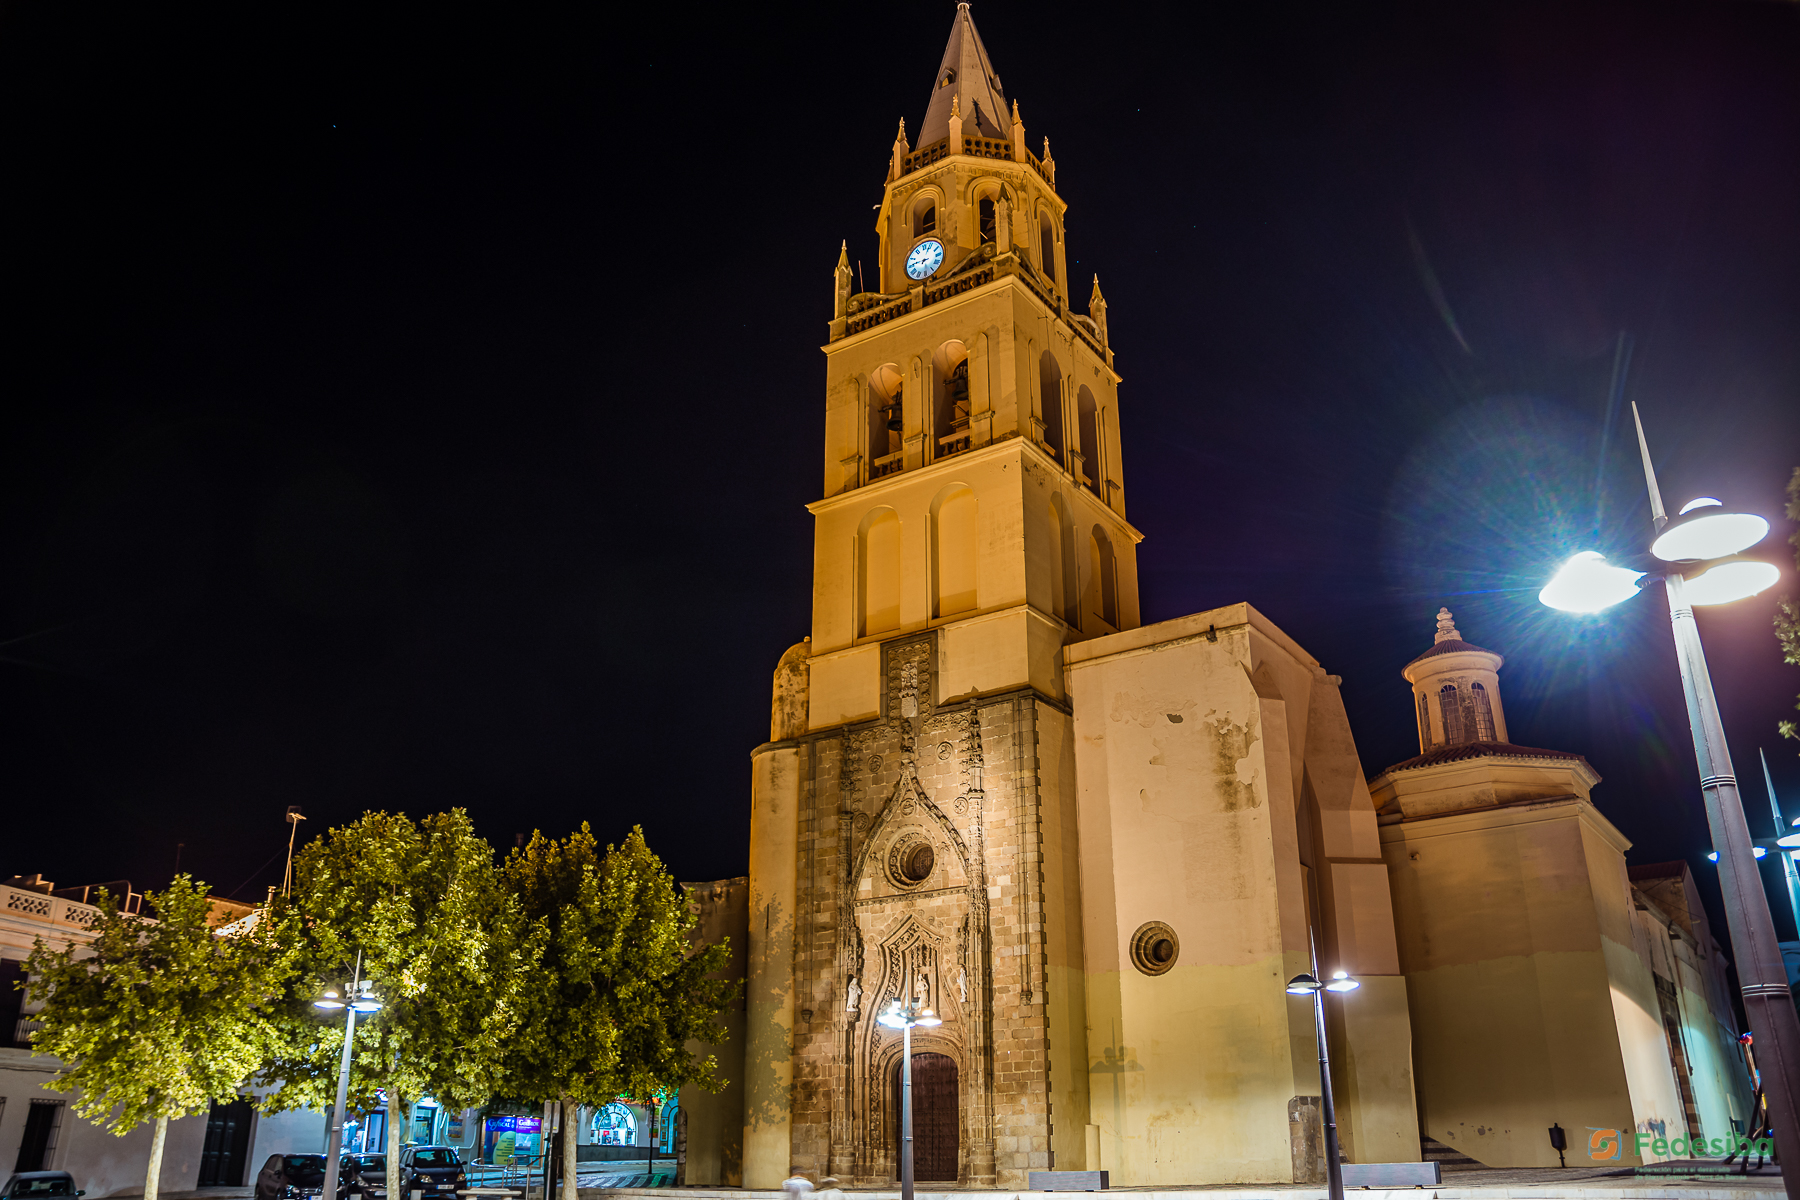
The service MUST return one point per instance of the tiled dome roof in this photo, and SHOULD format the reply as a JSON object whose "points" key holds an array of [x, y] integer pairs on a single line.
{"points": [[1460, 751]]}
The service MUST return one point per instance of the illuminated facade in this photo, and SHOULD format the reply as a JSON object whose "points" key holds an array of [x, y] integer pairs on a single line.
{"points": [[1097, 849]]}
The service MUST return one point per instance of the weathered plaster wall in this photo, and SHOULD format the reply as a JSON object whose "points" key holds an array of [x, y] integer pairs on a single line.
{"points": [[715, 1120], [1194, 752], [769, 986]]}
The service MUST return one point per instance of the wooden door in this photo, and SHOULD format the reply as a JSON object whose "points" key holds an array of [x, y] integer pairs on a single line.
{"points": [[937, 1118]]}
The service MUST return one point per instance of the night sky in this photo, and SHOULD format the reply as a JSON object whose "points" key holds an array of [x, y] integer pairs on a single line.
{"points": [[413, 411]]}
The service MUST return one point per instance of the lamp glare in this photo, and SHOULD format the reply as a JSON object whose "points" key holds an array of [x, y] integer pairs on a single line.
{"points": [[1588, 583], [1302, 985], [1731, 581], [1711, 536]]}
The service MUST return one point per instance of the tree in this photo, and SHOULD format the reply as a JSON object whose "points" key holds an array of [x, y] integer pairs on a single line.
{"points": [[157, 1019], [443, 943], [1787, 616], [619, 989]]}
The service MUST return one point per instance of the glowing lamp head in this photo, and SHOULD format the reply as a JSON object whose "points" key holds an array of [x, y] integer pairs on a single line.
{"points": [[1588, 583], [1759, 851], [1302, 985], [1735, 580], [1790, 842], [329, 1000], [1703, 529], [1341, 982], [928, 1017], [892, 1017]]}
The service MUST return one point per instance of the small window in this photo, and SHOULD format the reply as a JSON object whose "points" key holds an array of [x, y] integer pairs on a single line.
{"points": [[1047, 246], [1484, 715], [985, 209], [1424, 724], [927, 222], [1450, 707]]}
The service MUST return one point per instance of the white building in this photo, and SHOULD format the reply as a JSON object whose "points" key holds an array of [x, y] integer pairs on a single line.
{"points": [[39, 1130]]}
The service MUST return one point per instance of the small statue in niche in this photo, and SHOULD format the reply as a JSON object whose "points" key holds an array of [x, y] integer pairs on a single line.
{"points": [[962, 984], [921, 990], [853, 995]]}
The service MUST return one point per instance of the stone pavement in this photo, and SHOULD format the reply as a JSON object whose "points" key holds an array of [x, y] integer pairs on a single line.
{"points": [[1481, 1183]]}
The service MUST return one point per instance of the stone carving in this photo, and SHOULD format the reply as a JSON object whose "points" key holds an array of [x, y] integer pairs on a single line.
{"points": [[860, 822], [853, 996], [874, 763], [961, 805], [962, 984], [907, 806], [945, 750]]}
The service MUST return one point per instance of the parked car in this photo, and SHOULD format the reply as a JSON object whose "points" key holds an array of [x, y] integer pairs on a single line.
{"points": [[374, 1174], [292, 1176], [27, 1185], [436, 1171]]}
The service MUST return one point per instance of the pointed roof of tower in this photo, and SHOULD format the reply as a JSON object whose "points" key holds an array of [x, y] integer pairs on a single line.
{"points": [[966, 78]]}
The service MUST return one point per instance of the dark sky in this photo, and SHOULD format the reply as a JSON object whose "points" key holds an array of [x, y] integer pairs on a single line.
{"points": [[411, 411]]}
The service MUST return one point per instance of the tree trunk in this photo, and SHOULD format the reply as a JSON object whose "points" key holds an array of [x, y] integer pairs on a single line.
{"points": [[569, 1113], [396, 1123], [153, 1177]]}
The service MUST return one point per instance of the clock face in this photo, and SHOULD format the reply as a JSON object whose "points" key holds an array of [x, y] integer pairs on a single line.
{"points": [[925, 258]]}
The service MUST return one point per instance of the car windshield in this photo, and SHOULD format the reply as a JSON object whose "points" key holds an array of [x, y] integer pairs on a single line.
{"points": [[63, 1186], [434, 1158], [373, 1162], [304, 1162]]}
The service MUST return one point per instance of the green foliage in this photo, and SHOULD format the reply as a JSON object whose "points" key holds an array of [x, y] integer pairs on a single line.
{"points": [[157, 1019], [422, 905], [618, 988], [1787, 616]]}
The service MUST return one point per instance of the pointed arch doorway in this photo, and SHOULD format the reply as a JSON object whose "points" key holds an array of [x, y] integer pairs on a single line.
{"points": [[937, 1109]]}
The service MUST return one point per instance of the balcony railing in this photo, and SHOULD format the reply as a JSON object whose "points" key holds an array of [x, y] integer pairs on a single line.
{"points": [[975, 147], [954, 442], [886, 465]]}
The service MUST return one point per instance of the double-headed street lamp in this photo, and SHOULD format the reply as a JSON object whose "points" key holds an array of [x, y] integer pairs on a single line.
{"points": [[1309, 985], [1697, 559], [358, 998], [903, 1018]]}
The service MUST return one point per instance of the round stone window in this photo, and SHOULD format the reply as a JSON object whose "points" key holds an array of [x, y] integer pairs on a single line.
{"points": [[910, 860], [1154, 948]]}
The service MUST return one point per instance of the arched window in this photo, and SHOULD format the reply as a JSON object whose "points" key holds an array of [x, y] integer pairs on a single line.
{"points": [[925, 219], [1047, 246], [953, 552], [1050, 390], [885, 421], [1424, 724], [878, 571], [1484, 715], [1063, 590], [1450, 708], [985, 215], [615, 1125], [1088, 425], [1103, 586], [950, 416]]}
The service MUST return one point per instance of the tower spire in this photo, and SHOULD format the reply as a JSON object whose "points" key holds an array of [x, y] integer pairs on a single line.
{"points": [[965, 81]]}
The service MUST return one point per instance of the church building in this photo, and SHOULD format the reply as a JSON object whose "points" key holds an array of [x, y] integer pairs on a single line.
{"points": [[1097, 849]]}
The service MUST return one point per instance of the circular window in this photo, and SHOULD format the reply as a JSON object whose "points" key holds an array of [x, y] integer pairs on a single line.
{"points": [[910, 860], [1154, 948]]}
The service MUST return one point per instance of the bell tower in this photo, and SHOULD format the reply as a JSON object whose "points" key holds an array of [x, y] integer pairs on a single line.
{"points": [[913, 813], [972, 465]]}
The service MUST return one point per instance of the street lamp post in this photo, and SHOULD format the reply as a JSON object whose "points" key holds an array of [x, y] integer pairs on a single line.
{"points": [[1701, 551], [1309, 985], [903, 1018], [360, 998]]}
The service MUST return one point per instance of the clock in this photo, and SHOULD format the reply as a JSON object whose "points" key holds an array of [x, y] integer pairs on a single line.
{"points": [[925, 258]]}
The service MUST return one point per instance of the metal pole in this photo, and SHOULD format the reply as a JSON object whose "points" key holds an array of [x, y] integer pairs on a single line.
{"points": [[1334, 1170], [1761, 974], [333, 1153], [1781, 827], [906, 1136]]}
